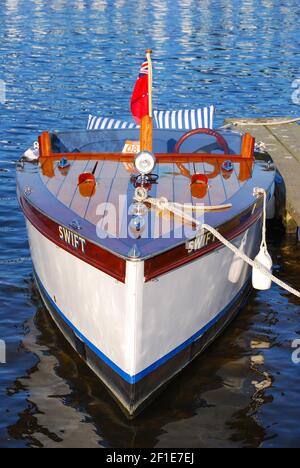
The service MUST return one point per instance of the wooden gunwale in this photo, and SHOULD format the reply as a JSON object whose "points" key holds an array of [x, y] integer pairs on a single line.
{"points": [[163, 158]]}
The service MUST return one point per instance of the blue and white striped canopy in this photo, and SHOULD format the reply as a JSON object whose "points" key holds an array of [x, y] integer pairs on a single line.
{"points": [[174, 120], [185, 119], [104, 123]]}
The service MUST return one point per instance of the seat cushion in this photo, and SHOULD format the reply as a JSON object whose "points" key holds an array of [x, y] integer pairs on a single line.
{"points": [[185, 119]]}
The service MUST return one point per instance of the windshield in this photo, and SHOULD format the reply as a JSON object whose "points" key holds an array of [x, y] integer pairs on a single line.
{"points": [[164, 141]]}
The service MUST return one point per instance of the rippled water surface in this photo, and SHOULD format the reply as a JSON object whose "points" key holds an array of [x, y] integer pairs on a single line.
{"points": [[60, 60]]}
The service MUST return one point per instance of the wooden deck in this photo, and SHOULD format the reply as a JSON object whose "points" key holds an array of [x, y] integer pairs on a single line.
{"points": [[113, 179], [283, 145], [90, 196]]}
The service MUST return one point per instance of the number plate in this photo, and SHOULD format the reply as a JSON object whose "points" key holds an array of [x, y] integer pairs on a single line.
{"points": [[132, 147]]}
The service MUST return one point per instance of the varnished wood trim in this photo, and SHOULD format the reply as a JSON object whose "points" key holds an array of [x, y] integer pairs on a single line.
{"points": [[164, 158], [146, 137], [45, 145], [248, 146], [146, 132]]}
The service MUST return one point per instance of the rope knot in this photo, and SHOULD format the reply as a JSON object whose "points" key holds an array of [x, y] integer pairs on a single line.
{"points": [[162, 203]]}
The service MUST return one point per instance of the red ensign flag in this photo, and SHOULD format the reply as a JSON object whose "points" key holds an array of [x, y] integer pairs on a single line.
{"points": [[140, 96]]}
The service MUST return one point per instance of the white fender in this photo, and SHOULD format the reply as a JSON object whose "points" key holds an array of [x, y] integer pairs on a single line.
{"points": [[260, 280]]}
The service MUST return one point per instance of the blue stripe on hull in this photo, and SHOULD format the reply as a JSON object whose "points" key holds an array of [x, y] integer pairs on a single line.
{"points": [[132, 379]]}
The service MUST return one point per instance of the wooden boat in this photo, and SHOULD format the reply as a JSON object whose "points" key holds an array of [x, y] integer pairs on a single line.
{"points": [[140, 291]]}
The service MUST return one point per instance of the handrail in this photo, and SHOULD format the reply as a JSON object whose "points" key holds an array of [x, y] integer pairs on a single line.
{"points": [[166, 158]]}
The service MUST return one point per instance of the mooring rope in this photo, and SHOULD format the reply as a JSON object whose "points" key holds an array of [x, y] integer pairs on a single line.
{"points": [[261, 192], [252, 263], [267, 123], [163, 204], [181, 210]]}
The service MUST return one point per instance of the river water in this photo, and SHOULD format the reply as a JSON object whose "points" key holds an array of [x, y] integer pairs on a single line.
{"points": [[60, 60]]}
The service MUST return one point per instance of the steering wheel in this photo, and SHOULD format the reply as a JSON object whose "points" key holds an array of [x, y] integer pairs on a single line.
{"points": [[206, 131]]}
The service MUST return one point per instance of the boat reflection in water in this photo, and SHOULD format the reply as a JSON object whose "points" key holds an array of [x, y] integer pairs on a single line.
{"points": [[210, 406]]}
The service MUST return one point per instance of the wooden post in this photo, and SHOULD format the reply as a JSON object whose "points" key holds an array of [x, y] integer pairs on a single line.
{"points": [[45, 145], [146, 134], [150, 80], [246, 168], [248, 146], [47, 165]]}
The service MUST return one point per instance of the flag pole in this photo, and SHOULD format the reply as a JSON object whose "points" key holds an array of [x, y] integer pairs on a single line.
{"points": [[146, 131], [150, 80]]}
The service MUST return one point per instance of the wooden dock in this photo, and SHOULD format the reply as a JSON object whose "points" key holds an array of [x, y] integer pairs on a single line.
{"points": [[282, 143]]}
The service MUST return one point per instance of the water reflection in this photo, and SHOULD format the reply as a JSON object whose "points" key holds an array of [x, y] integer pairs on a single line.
{"points": [[207, 405], [233, 396], [233, 48], [63, 59]]}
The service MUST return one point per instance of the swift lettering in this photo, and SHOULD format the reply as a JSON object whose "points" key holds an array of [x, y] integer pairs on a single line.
{"points": [[72, 239]]}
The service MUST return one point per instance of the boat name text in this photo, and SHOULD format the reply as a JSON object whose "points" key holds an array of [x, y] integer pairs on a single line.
{"points": [[199, 242], [72, 239]]}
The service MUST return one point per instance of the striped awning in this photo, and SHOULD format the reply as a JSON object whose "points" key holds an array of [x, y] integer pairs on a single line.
{"points": [[105, 123], [185, 119], [173, 120]]}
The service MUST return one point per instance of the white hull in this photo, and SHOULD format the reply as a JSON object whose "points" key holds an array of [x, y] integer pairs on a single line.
{"points": [[138, 326]]}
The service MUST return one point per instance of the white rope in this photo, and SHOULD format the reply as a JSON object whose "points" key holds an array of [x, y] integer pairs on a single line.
{"points": [[261, 192], [228, 125], [262, 124], [252, 263], [181, 210], [164, 204], [204, 207]]}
